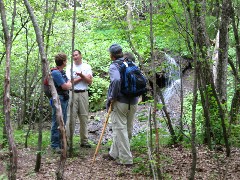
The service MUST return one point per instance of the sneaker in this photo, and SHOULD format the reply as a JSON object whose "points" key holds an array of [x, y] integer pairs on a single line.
{"points": [[108, 157], [86, 145], [57, 150]]}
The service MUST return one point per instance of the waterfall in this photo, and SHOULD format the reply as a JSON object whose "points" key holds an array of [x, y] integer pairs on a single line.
{"points": [[173, 78], [171, 90]]}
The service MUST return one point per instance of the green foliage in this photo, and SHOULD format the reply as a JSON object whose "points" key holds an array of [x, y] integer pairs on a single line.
{"points": [[98, 25], [1, 118], [188, 101], [141, 165], [141, 116], [216, 126], [235, 135], [97, 93], [20, 135], [1, 126], [211, 23], [3, 177], [139, 145]]}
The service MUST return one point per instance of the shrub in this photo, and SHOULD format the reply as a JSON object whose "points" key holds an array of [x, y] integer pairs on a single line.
{"points": [[98, 93]]}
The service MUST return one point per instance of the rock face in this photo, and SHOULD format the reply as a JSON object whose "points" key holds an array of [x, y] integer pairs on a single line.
{"points": [[174, 102], [163, 68]]}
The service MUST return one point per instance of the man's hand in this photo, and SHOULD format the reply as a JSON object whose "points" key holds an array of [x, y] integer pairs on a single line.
{"points": [[110, 104], [86, 78], [80, 74]]}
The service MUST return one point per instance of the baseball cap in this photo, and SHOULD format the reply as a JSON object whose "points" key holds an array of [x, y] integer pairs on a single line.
{"points": [[115, 49]]}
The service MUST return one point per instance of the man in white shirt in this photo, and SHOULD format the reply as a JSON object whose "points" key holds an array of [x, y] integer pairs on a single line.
{"points": [[82, 75]]}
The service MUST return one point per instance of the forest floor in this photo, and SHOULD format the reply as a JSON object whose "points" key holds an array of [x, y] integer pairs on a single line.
{"points": [[175, 160], [176, 164]]}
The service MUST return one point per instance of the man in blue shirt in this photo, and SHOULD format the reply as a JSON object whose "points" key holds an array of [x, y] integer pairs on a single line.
{"points": [[62, 84]]}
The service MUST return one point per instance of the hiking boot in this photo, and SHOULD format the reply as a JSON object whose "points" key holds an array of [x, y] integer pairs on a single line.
{"points": [[57, 150], [126, 165], [85, 145], [108, 157]]}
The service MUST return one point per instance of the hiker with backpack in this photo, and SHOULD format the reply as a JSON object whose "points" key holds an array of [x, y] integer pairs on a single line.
{"points": [[82, 76], [124, 106], [62, 84]]}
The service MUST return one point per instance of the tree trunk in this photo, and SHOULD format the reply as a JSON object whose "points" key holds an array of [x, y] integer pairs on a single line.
{"points": [[72, 80], [236, 36], [12, 170], [235, 106], [193, 134], [55, 97], [25, 96], [196, 67], [129, 14], [39, 148], [205, 105], [154, 94], [204, 46], [50, 25], [215, 57], [39, 152], [169, 123], [181, 101], [221, 81], [204, 75]]}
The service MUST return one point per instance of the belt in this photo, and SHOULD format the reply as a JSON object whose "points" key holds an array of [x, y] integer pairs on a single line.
{"points": [[80, 91]]}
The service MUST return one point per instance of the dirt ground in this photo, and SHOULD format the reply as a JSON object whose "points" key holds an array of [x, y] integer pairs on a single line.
{"points": [[175, 161]]}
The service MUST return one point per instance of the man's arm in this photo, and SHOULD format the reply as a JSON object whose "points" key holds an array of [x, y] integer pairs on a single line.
{"points": [[67, 85], [59, 80], [115, 82], [86, 78]]}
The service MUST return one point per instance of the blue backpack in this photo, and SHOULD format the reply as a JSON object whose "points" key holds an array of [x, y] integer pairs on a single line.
{"points": [[133, 82]]}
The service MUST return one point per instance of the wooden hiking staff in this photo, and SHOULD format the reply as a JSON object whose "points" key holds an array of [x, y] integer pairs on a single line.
{"points": [[103, 130]]}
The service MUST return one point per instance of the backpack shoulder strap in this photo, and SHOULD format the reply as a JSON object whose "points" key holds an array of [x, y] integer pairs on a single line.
{"points": [[118, 64], [128, 62], [54, 68], [46, 77]]}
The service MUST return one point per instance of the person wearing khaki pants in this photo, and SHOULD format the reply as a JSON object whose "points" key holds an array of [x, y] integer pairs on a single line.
{"points": [[82, 76], [80, 110], [122, 114]]}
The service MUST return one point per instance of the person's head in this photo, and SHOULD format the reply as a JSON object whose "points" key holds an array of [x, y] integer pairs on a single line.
{"points": [[61, 59], [77, 56], [129, 55], [115, 51]]}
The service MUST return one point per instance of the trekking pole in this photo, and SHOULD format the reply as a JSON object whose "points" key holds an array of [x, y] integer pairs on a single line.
{"points": [[100, 139]]}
